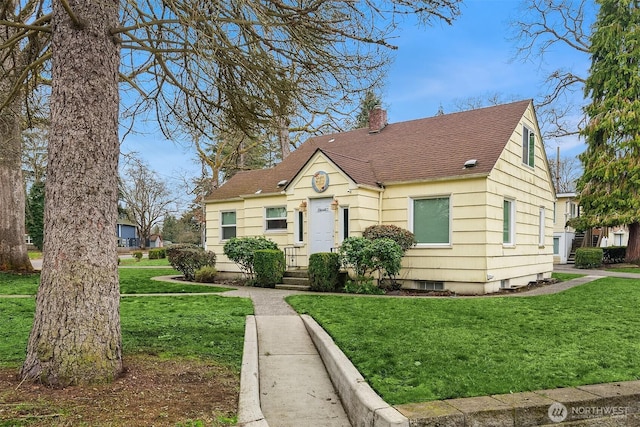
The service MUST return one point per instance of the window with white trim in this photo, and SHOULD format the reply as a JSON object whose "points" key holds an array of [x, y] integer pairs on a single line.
{"points": [[508, 221], [299, 226], [276, 218], [431, 220], [227, 225], [541, 226], [528, 146], [344, 222]]}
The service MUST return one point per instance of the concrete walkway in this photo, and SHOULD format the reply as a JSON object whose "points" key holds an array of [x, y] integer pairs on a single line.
{"points": [[294, 386]]}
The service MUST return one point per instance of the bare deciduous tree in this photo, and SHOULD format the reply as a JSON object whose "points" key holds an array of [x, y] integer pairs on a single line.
{"points": [[147, 198], [545, 26], [197, 66]]}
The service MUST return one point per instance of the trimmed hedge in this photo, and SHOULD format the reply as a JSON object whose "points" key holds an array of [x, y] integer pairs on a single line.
{"points": [[206, 274], [269, 266], [324, 271], [589, 257], [241, 249], [614, 254], [157, 253], [137, 255], [188, 259]]}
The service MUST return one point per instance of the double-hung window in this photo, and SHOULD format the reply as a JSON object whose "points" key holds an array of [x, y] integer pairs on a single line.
{"points": [[528, 146], [227, 225], [431, 220], [276, 218]]}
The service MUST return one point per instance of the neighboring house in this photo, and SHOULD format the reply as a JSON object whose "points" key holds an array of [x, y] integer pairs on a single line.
{"points": [[155, 241], [127, 233], [565, 238], [474, 187]]}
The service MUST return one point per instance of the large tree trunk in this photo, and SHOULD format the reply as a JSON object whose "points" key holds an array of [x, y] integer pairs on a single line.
{"points": [[76, 336], [633, 247], [13, 249]]}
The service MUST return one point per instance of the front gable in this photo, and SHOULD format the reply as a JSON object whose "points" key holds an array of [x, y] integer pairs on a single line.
{"points": [[319, 177]]}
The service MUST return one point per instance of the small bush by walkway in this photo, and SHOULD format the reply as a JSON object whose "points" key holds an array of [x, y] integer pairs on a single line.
{"points": [[421, 349]]}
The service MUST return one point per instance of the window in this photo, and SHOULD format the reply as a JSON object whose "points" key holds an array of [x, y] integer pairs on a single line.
{"points": [[431, 221], [430, 285], [299, 226], [276, 218], [344, 222], [528, 146], [541, 226], [556, 245], [508, 211], [227, 225]]}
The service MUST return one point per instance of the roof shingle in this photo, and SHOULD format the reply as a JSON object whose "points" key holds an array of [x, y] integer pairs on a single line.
{"points": [[423, 149]]}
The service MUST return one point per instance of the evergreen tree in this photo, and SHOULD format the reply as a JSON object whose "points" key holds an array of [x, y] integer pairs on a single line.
{"points": [[611, 180], [367, 104], [35, 214]]}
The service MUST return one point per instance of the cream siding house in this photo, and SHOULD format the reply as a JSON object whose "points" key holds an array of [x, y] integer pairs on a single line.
{"points": [[474, 187]]}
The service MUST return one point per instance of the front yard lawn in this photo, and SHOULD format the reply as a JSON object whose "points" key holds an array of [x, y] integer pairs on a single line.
{"points": [[421, 349], [132, 281]]}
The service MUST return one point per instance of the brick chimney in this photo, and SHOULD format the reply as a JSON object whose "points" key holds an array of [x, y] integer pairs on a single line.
{"points": [[377, 119]]}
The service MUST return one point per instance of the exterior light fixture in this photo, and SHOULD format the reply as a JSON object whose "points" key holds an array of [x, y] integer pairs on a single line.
{"points": [[334, 204], [303, 206]]}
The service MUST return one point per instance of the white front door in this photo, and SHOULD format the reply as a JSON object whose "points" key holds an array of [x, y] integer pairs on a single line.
{"points": [[321, 222]]}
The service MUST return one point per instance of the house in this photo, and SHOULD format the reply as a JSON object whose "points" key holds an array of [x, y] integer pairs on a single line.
{"points": [[126, 232], [566, 239], [155, 241], [474, 187]]}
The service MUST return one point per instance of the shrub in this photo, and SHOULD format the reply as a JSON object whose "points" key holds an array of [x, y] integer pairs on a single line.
{"points": [[269, 266], [324, 271], [614, 254], [241, 249], [363, 285], [206, 274], [352, 254], [188, 259], [589, 257], [157, 253], [402, 237], [384, 256], [137, 255]]}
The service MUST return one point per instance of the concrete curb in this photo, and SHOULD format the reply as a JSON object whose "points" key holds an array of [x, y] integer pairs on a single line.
{"points": [[249, 411], [362, 405]]}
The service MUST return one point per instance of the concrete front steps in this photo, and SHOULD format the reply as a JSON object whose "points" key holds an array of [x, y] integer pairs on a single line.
{"points": [[295, 280]]}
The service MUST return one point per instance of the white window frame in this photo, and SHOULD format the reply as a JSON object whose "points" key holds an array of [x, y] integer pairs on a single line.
{"points": [[411, 218], [223, 226], [266, 220], [341, 223], [511, 241], [298, 227], [528, 145], [541, 226]]}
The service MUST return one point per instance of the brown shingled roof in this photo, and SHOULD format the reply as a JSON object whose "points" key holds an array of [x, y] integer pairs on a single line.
{"points": [[423, 149]]}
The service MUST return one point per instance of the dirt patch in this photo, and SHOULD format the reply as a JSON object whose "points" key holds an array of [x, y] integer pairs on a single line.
{"points": [[151, 392]]}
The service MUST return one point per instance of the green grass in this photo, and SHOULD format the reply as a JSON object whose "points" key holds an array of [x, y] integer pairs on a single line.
{"points": [[35, 254], [563, 277], [635, 270], [144, 262], [193, 326], [132, 281], [413, 350]]}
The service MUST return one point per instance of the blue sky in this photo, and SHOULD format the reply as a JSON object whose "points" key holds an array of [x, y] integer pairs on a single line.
{"points": [[434, 66]]}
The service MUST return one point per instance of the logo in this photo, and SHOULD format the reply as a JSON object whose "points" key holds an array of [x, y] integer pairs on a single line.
{"points": [[320, 181], [557, 412]]}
